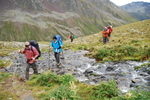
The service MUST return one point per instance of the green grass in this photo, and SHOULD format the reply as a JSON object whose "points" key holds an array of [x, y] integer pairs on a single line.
{"points": [[49, 79], [105, 90], [4, 76], [62, 93], [4, 63]]}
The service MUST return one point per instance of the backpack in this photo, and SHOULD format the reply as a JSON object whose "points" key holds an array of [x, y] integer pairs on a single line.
{"points": [[36, 45]]}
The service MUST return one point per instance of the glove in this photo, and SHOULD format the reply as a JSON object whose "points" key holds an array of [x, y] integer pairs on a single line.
{"points": [[33, 58]]}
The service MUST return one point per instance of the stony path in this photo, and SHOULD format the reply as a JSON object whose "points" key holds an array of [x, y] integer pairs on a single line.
{"points": [[73, 60]]}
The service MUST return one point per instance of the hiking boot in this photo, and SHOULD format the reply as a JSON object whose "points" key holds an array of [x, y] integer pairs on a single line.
{"points": [[58, 64], [62, 58]]}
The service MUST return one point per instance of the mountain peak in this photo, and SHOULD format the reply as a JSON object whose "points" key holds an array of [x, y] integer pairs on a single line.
{"points": [[139, 10]]}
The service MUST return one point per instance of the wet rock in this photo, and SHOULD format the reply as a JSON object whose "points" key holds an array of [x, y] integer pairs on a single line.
{"points": [[109, 69]]}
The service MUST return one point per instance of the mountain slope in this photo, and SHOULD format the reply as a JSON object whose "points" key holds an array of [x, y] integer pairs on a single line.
{"points": [[139, 10], [41, 19]]}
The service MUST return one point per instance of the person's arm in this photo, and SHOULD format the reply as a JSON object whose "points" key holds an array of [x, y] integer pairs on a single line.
{"points": [[61, 43], [22, 51]]}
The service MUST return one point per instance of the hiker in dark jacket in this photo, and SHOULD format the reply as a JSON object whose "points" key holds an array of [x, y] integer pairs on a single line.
{"points": [[71, 37], [31, 54], [57, 49]]}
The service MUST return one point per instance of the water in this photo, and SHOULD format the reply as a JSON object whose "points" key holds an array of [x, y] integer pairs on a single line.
{"points": [[123, 72]]}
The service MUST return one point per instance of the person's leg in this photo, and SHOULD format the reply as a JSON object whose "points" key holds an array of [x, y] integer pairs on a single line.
{"points": [[71, 40], [62, 55], [109, 35], [57, 57], [104, 40], [107, 39], [27, 71], [34, 68]]}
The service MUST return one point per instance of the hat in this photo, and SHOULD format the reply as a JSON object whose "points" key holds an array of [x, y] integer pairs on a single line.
{"points": [[27, 43]]}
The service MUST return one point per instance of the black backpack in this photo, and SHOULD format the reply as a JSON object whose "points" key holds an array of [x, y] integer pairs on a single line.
{"points": [[36, 45]]}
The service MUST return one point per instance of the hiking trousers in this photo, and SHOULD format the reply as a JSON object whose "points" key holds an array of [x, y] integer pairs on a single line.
{"points": [[57, 57], [71, 40], [33, 66], [105, 40]]}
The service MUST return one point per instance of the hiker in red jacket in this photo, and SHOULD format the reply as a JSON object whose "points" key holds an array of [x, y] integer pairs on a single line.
{"points": [[110, 30], [105, 35], [31, 54]]}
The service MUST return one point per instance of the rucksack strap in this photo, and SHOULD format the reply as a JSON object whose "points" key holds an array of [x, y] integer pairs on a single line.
{"points": [[32, 49]]}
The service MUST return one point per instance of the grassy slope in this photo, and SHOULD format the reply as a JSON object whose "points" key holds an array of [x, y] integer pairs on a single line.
{"points": [[128, 42]]}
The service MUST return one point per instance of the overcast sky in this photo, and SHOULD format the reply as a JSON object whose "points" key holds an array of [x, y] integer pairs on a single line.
{"points": [[123, 2]]}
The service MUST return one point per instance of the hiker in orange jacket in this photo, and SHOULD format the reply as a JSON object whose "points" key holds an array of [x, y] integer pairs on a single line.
{"points": [[110, 30], [105, 35]]}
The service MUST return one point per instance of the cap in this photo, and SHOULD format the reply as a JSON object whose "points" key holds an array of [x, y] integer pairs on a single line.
{"points": [[27, 43]]}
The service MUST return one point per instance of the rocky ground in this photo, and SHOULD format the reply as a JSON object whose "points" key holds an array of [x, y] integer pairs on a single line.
{"points": [[86, 69]]}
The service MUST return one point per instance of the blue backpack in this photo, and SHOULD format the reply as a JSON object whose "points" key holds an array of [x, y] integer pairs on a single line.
{"points": [[59, 38]]}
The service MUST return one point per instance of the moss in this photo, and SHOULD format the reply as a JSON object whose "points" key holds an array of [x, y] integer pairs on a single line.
{"points": [[4, 63]]}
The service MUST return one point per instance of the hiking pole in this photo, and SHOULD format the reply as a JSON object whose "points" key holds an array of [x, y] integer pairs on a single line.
{"points": [[49, 58]]}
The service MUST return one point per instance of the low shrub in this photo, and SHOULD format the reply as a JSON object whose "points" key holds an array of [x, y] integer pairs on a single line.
{"points": [[66, 79], [147, 53], [62, 93], [128, 50], [105, 90], [48, 79], [102, 53]]}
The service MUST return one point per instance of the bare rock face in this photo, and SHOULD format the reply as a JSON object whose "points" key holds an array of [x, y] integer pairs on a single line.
{"points": [[49, 17]]}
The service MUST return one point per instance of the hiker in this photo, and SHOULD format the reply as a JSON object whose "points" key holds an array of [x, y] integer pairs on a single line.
{"points": [[59, 38], [71, 37], [110, 30], [57, 49], [105, 33], [31, 55]]}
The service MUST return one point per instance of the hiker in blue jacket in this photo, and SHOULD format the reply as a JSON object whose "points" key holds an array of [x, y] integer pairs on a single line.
{"points": [[59, 38], [57, 49]]}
